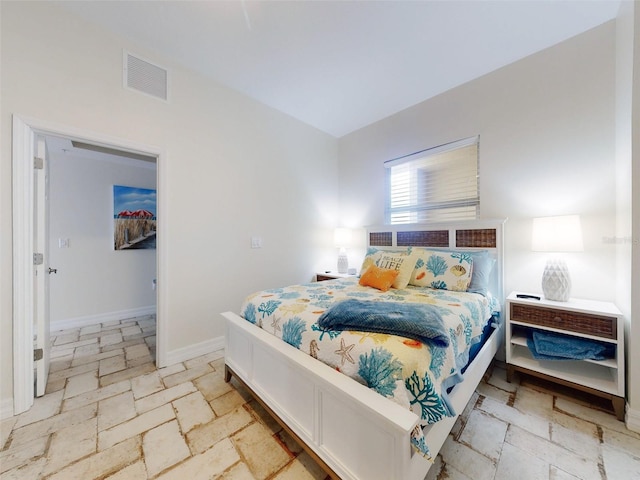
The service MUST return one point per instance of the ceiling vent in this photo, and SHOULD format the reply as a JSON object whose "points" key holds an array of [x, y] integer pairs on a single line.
{"points": [[145, 77]]}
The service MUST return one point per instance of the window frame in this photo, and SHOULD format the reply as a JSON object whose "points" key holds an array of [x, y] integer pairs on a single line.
{"points": [[416, 208]]}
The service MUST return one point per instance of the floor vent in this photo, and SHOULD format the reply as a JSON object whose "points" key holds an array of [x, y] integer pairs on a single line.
{"points": [[145, 77]]}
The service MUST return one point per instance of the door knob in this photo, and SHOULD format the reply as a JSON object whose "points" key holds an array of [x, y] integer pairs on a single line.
{"points": [[52, 270]]}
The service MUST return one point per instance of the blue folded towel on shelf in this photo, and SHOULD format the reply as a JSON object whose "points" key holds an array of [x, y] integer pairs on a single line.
{"points": [[556, 346], [417, 321]]}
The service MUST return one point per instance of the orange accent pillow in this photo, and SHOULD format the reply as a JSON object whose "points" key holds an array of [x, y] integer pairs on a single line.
{"points": [[380, 278]]}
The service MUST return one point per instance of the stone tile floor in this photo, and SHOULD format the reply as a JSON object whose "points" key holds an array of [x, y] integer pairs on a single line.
{"points": [[110, 414]]}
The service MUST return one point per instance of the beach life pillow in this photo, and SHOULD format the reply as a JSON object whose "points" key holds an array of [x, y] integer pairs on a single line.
{"points": [[443, 270], [370, 259], [380, 278], [404, 262]]}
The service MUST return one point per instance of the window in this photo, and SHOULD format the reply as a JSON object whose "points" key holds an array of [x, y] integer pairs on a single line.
{"points": [[439, 184]]}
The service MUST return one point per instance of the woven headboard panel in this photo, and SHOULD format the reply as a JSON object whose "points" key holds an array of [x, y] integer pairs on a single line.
{"points": [[470, 235], [381, 239], [423, 238], [453, 238]]}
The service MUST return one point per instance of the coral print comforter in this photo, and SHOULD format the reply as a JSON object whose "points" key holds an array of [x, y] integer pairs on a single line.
{"points": [[412, 373]]}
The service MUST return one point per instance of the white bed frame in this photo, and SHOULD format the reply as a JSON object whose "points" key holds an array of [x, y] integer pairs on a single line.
{"points": [[350, 430]]}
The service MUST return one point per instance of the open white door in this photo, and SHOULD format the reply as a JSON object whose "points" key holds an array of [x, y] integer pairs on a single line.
{"points": [[41, 266], [29, 281]]}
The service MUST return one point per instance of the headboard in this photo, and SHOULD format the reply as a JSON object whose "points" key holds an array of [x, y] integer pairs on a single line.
{"points": [[466, 235]]}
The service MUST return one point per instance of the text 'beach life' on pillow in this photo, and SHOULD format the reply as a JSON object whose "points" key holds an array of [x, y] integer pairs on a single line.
{"points": [[403, 261]]}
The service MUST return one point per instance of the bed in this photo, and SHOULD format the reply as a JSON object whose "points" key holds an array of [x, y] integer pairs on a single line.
{"points": [[357, 428]]}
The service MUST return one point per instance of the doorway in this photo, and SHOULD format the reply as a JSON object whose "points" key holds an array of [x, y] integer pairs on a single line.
{"points": [[25, 188]]}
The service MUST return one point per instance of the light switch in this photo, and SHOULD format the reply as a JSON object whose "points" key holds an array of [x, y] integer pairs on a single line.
{"points": [[256, 242], [63, 243]]}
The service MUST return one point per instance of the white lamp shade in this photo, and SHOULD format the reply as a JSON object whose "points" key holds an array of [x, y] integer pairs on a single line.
{"points": [[557, 234], [342, 237]]}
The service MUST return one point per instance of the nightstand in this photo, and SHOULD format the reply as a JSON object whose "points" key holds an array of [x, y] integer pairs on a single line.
{"points": [[593, 320], [322, 276]]}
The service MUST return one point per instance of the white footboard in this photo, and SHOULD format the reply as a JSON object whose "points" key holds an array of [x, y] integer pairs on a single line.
{"points": [[354, 431]]}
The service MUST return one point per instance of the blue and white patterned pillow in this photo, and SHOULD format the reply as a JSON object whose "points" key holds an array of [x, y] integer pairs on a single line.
{"points": [[442, 270]]}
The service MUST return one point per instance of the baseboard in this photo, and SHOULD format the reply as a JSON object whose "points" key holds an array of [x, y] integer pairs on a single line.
{"points": [[6, 408], [632, 419], [193, 351], [101, 318]]}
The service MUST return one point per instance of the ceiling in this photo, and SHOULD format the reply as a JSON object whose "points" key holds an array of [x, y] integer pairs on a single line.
{"points": [[342, 65]]}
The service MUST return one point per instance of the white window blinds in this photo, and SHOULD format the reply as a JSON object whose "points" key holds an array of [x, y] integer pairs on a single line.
{"points": [[439, 184]]}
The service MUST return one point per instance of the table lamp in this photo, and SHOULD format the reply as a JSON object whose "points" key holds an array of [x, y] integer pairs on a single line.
{"points": [[342, 239], [556, 234]]}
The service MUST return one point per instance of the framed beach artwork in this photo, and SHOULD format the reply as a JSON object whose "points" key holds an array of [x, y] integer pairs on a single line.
{"points": [[134, 218]]}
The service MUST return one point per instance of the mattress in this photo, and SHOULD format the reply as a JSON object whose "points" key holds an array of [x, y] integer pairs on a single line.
{"points": [[413, 374]]}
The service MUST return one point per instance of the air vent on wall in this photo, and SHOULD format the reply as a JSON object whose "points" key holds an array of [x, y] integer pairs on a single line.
{"points": [[145, 77]]}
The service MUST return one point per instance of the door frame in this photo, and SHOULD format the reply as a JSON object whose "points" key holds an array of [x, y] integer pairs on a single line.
{"points": [[41, 324], [24, 132]]}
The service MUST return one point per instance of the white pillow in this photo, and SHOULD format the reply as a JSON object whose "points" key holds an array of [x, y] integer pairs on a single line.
{"points": [[403, 262]]}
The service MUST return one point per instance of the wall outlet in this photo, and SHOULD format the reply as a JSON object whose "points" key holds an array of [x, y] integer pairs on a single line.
{"points": [[63, 243]]}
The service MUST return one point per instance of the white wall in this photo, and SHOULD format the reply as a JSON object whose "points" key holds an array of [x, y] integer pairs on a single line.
{"points": [[628, 197], [81, 210], [547, 147], [634, 359], [233, 168]]}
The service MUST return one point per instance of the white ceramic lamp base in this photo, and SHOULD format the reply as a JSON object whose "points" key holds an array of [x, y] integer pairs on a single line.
{"points": [[556, 283], [343, 262]]}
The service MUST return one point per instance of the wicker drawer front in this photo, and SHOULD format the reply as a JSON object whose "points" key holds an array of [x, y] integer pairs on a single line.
{"points": [[599, 326], [322, 278]]}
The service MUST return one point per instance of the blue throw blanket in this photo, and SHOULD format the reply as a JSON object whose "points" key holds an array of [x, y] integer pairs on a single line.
{"points": [[555, 346], [417, 321]]}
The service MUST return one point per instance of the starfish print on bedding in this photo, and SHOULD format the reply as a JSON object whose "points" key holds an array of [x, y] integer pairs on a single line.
{"points": [[276, 325], [376, 337], [294, 308], [344, 352]]}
